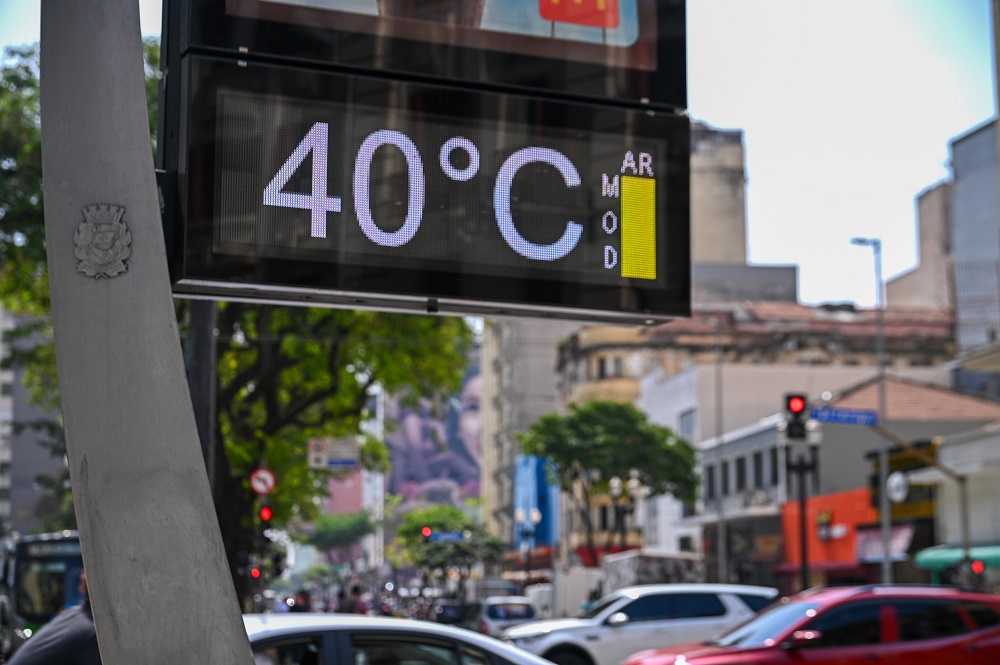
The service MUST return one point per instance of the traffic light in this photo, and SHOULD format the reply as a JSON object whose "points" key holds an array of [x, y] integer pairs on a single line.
{"points": [[426, 532], [265, 513], [255, 573], [978, 567], [795, 414]]}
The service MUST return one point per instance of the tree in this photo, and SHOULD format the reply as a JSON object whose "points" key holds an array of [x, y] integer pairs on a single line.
{"points": [[437, 557], [600, 440], [333, 533]]}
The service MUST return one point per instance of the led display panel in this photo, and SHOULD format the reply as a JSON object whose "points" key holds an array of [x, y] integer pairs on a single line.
{"points": [[332, 187], [614, 50]]}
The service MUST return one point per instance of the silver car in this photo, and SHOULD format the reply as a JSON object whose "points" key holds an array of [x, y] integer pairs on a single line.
{"points": [[326, 639], [641, 617]]}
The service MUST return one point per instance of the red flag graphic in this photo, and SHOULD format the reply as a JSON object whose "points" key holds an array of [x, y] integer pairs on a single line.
{"points": [[597, 13]]}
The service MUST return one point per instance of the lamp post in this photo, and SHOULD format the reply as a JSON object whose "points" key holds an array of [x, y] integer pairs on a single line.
{"points": [[528, 525], [883, 453], [624, 508]]}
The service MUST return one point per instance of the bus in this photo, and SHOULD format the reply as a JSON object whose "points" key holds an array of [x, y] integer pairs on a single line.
{"points": [[46, 575]]}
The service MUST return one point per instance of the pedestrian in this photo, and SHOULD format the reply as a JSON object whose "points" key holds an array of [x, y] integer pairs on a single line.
{"points": [[303, 602], [69, 639], [353, 604]]}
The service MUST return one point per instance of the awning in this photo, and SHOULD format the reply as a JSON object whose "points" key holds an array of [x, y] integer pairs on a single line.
{"points": [[940, 557], [983, 359]]}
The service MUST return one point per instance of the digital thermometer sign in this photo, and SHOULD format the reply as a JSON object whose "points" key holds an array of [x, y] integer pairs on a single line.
{"points": [[370, 192]]}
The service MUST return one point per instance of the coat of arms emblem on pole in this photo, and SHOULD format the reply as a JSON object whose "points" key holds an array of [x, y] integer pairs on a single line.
{"points": [[103, 241]]}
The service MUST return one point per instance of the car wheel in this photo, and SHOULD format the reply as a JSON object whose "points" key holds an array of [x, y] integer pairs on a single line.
{"points": [[568, 657]]}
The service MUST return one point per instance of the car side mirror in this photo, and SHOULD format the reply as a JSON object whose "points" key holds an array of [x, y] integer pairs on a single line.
{"points": [[617, 619], [802, 638]]}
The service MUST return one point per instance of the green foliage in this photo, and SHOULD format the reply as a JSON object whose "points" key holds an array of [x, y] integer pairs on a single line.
{"points": [[335, 532], [437, 557], [599, 440]]}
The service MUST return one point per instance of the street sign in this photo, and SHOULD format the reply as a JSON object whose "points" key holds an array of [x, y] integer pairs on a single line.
{"points": [[897, 486], [328, 453], [828, 414], [447, 535], [262, 481]]}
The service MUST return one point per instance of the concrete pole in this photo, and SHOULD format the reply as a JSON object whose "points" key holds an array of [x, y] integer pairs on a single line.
{"points": [[159, 583], [885, 510]]}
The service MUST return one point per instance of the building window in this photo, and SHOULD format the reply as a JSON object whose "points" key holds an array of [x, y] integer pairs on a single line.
{"points": [[725, 478], [685, 424], [773, 455], [709, 483], [618, 367], [685, 544], [6, 389], [758, 469], [604, 521], [741, 474], [602, 368]]}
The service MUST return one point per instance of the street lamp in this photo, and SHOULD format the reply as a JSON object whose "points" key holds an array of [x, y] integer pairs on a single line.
{"points": [[528, 525], [883, 453], [624, 508]]}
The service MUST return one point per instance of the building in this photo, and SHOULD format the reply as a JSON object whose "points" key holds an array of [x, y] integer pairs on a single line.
{"points": [[720, 371], [750, 490]]}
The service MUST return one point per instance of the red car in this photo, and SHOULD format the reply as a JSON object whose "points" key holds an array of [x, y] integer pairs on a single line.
{"points": [[884, 624]]}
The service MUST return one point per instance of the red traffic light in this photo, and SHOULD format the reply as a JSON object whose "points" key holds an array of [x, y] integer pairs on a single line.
{"points": [[266, 513], [795, 403], [255, 572], [426, 532], [978, 567]]}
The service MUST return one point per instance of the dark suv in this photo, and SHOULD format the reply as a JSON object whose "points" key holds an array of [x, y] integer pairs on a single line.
{"points": [[886, 624]]}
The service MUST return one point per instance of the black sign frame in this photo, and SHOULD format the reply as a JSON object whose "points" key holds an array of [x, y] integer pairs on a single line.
{"points": [[200, 271]]}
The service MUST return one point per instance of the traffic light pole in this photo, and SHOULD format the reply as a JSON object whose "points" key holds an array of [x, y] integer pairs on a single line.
{"points": [[800, 467]]}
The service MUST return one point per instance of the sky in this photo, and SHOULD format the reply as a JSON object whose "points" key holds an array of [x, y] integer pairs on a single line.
{"points": [[847, 108]]}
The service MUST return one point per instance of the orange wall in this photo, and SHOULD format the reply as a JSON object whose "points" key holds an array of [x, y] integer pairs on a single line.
{"points": [[850, 509]]}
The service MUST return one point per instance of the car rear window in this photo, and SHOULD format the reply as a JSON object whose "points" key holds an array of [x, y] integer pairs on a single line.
{"points": [[755, 603], [511, 611]]}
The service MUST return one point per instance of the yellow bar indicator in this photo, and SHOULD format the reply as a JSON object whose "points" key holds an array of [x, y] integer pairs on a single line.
{"points": [[638, 227]]}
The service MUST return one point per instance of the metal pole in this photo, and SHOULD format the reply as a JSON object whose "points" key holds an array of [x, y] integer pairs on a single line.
{"points": [[722, 546], [883, 453], [800, 469], [885, 515], [527, 559], [963, 493]]}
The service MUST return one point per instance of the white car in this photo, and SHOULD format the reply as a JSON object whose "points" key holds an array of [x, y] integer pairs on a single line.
{"points": [[495, 614], [641, 617], [329, 639]]}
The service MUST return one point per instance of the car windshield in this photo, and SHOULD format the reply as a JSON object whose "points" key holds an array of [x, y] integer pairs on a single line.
{"points": [[599, 606], [764, 629]]}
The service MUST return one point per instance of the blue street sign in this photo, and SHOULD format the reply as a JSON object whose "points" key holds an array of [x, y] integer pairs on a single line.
{"points": [[447, 535], [828, 414]]}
